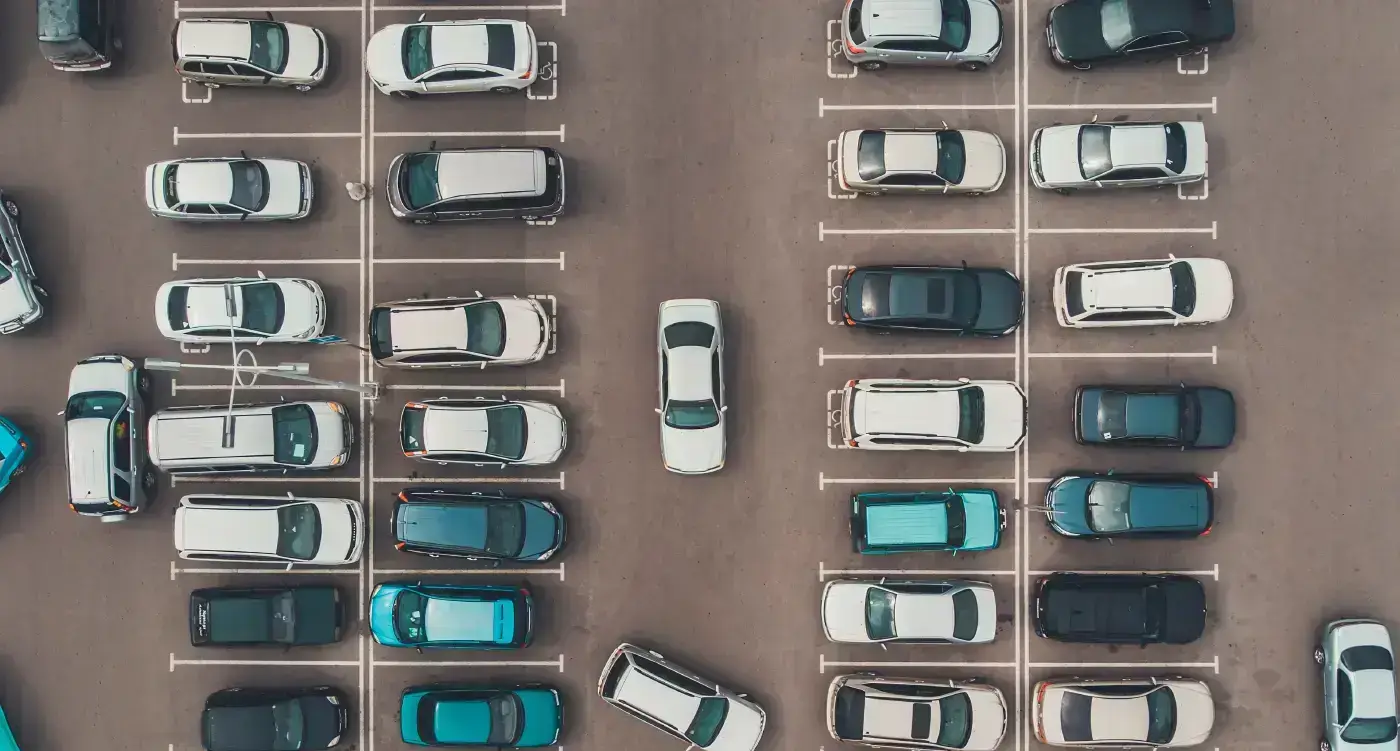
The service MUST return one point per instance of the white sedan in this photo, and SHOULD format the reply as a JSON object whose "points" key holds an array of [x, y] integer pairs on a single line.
{"points": [[690, 347], [254, 309], [445, 57], [872, 612], [229, 189], [270, 529], [1141, 712], [872, 710]]}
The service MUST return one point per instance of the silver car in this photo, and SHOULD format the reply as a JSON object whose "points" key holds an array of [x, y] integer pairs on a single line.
{"points": [[19, 292], [920, 160], [1358, 686], [1124, 713], [1065, 158], [222, 189], [249, 52], [914, 713], [966, 34]]}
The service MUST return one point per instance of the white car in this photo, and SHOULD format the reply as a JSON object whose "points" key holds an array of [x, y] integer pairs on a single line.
{"points": [[249, 52], [912, 713], [690, 347], [902, 414], [271, 529], [1130, 712], [920, 161], [933, 611], [1162, 292], [444, 57], [254, 309], [224, 189], [459, 332], [483, 431], [1065, 158]]}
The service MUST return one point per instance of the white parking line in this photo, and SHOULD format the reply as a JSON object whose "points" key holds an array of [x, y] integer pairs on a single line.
{"points": [[1201, 71], [211, 10], [823, 107], [174, 663], [831, 181], [471, 480], [176, 388], [833, 51], [822, 231], [1213, 355], [176, 262], [1213, 572], [559, 663], [823, 572], [178, 136], [823, 356], [1203, 195], [280, 570], [553, 571], [475, 133], [549, 71], [1214, 480], [185, 94], [1212, 105], [410, 261], [1214, 665], [823, 664], [1213, 230], [562, 7], [488, 389], [186, 479], [823, 481]]}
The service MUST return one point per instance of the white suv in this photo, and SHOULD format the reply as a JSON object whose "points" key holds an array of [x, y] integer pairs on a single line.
{"points": [[962, 415], [270, 529], [1163, 292]]}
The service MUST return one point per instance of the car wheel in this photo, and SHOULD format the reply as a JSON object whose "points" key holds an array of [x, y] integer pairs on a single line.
{"points": [[143, 383], [504, 90], [422, 221], [1323, 745], [11, 208], [1064, 191], [148, 479], [972, 67], [406, 94], [1318, 655], [872, 65], [303, 87]]}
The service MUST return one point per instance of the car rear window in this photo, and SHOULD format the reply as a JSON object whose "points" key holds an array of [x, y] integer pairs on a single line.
{"points": [[381, 343], [956, 721], [1183, 288], [849, 714], [853, 25], [708, 720], [102, 404], [1176, 147], [971, 415], [964, 614], [870, 158], [505, 431], [952, 156], [1161, 716], [689, 334], [1075, 711], [500, 46], [250, 184], [1368, 658], [294, 434], [269, 46]]}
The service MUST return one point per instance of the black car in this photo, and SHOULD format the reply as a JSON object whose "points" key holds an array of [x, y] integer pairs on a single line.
{"points": [[283, 617], [1083, 32], [292, 719], [1120, 608], [1184, 417], [950, 300], [1130, 505], [476, 525]]}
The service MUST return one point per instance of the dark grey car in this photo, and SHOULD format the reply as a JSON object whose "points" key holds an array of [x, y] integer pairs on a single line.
{"points": [[937, 299], [1185, 417]]}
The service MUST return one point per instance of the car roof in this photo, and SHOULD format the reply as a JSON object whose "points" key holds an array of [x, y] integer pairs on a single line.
{"points": [[514, 172], [1138, 145], [205, 305], [457, 524], [912, 523], [89, 473], [417, 329], [660, 700], [455, 429], [902, 18], [203, 182], [907, 412], [924, 613], [688, 374], [894, 718], [200, 434], [229, 530], [214, 37], [1118, 718], [482, 618], [460, 43], [911, 152], [1135, 288], [236, 728]]}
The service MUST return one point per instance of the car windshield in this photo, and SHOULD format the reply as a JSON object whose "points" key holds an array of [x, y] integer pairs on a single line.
{"points": [[1113, 415], [1076, 710], [1370, 730], [249, 184], [1161, 716], [408, 617], [411, 428], [289, 726], [505, 529], [1183, 289], [298, 531], [486, 329], [691, 415], [870, 159], [294, 431], [263, 307], [709, 718], [104, 404], [955, 714], [1117, 23], [971, 415], [505, 721], [1176, 147], [1108, 506], [419, 182], [269, 46], [879, 613], [505, 431], [956, 22], [500, 46], [1370, 657], [1094, 157], [952, 156], [964, 614], [417, 50]]}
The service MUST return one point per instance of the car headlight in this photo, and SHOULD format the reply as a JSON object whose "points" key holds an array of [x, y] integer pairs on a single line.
{"points": [[548, 505], [333, 700], [338, 460]]}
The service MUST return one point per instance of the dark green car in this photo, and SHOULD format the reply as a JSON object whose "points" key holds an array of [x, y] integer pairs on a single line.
{"points": [[957, 300], [472, 716], [1113, 505], [282, 617], [1180, 417]]}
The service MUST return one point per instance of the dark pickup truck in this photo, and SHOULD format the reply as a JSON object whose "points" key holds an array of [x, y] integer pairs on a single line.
{"points": [[1120, 608], [288, 616]]}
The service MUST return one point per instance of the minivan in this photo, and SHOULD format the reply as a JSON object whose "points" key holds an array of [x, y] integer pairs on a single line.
{"points": [[273, 438], [78, 35], [479, 183], [109, 476]]}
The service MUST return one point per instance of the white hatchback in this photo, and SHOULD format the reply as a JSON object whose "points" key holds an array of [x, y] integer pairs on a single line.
{"points": [[1161, 292], [254, 309], [224, 189], [897, 414], [447, 57], [690, 346], [270, 529]]}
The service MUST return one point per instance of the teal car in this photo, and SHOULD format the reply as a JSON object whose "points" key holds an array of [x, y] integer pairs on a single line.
{"points": [[955, 520], [451, 616], [520, 717], [14, 450], [7, 739]]}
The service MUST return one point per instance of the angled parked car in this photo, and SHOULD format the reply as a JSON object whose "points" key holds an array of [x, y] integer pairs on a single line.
{"points": [[20, 305], [920, 160], [960, 300], [690, 350], [489, 182], [267, 617], [476, 525], [451, 616], [1358, 686], [270, 529], [443, 57], [1105, 506], [229, 189], [1119, 608], [911, 713], [109, 475], [258, 719], [966, 34], [970, 519], [683, 704], [901, 414], [931, 611], [448, 715], [1181, 416], [248, 309], [483, 431], [1123, 713], [249, 52], [1084, 32], [1161, 292], [459, 332], [1066, 158]]}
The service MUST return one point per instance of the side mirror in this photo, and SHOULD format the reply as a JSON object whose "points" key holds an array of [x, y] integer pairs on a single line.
{"points": [[243, 153], [725, 408], [261, 275], [658, 411], [422, 16], [269, 15], [432, 146]]}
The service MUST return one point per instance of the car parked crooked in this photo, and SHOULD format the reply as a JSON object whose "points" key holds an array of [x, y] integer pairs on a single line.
{"points": [[1084, 32], [1124, 713], [483, 431], [949, 611], [241, 310], [1066, 158], [954, 520], [493, 182], [966, 34], [913, 713], [1105, 506], [229, 189], [459, 332], [451, 616], [1161, 292], [442, 57], [960, 300], [690, 350], [476, 525], [1358, 686], [249, 52], [258, 719], [915, 160], [447, 715]]}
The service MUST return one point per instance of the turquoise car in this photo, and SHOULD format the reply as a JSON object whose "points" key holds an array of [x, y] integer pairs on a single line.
{"points": [[14, 450], [956, 520], [7, 739], [522, 717], [451, 616]]}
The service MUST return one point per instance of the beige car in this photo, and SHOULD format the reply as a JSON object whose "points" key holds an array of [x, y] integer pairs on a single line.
{"points": [[249, 52], [920, 160], [915, 713], [1145, 712]]}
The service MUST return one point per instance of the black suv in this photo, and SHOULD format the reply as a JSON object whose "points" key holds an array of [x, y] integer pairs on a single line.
{"points": [[256, 719], [1120, 608], [283, 617]]}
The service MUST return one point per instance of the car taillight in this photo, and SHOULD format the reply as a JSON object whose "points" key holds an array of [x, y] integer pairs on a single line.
{"points": [[851, 273], [400, 545], [403, 495], [1206, 480], [1040, 690], [418, 452], [120, 505], [1207, 530], [852, 444], [847, 318], [854, 49], [527, 73]]}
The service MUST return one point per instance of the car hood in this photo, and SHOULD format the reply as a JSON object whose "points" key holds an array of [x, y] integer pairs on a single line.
{"points": [[923, 616], [1216, 416], [321, 722], [284, 188], [985, 165], [982, 516], [330, 434], [306, 53], [100, 376], [843, 611], [984, 27], [542, 717], [303, 313], [693, 450], [1215, 290], [1000, 308], [742, 729], [1195, 714], [1004, 425], [154, 200], [542, 531], [1067, 501], [527, 328], [384, 55], [341, 535], [1051, 704], [15, 300], [1059, 155], [545, 434], [1077, 30], [381, 614], [988, 721]]}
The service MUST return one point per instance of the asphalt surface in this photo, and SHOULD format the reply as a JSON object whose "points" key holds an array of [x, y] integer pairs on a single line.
{"points": [[694, 134]]}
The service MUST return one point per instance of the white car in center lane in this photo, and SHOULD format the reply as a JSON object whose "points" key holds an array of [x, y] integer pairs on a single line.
{"points": [[1161, 292], [270, 529], [254, 309], [901, 414], [690, 347], [932, 611], [446, 57]]}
